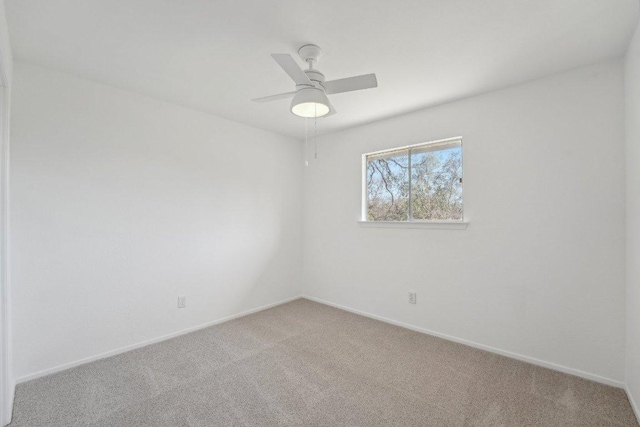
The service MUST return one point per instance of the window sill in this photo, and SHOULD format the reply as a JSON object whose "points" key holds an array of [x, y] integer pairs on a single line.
{"points": [[439, 225]]}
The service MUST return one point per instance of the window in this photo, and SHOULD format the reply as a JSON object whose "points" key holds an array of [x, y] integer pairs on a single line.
{"points": [[417, 183]]}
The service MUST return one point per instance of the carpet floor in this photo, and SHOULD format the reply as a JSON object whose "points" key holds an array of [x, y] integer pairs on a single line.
{"points": [[308, 364]]}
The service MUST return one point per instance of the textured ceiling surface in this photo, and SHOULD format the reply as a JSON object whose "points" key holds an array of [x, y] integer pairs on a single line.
{"points": [[214, 56]]}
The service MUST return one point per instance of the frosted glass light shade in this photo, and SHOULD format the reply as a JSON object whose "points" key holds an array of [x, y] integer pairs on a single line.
{"points": [[310, 103]]}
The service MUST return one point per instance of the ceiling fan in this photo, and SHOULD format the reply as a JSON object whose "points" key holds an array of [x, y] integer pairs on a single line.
{"points": [[310, 97]]}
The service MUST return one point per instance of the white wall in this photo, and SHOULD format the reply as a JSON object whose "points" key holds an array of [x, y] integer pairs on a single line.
{"points": [[632, 92], [539, 271], [120, 203], [6, 368]]}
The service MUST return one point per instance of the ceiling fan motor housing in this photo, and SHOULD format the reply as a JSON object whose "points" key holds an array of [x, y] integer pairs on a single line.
{"points": [[315, 76]]}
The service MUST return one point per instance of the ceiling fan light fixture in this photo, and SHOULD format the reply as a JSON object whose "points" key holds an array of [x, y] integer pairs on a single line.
{"points": [[310, 103]]}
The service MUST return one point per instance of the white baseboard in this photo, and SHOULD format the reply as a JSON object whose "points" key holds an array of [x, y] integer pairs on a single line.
{"points": [[556, 367], [533, 361], [634, 405], [120, 350]]}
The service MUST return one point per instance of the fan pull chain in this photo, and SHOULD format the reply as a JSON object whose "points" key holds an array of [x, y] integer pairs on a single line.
{"points": [[306, 143]]}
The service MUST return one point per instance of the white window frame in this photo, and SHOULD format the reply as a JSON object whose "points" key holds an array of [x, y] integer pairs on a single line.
{"points": [[460, 224]]}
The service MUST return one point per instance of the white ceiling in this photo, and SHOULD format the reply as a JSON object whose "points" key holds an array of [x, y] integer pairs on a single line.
{"points": [[213, 55]]}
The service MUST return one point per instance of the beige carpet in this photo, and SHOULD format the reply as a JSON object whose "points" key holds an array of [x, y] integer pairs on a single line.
{"points": [[307, 364]]}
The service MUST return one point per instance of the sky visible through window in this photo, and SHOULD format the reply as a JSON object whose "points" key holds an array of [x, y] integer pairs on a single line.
{"points": [[431, 191]]}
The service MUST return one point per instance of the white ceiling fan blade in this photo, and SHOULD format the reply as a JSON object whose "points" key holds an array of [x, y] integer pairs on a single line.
{"points": [[275, 97], [349, 84], [291, 67]]}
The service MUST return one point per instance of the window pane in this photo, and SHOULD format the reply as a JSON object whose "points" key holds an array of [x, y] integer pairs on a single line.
{"points": [[388, 186], [436, 187]]}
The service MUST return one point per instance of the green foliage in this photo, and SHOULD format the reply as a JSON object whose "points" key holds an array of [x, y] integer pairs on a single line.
{"points": [[431, 182]]}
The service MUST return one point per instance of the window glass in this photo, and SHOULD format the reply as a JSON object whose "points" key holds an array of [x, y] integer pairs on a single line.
{"points": [[388, 186], [417, 183]]}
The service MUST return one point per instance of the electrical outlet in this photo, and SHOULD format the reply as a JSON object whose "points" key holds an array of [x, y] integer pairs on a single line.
{"points": [[413, 297], [182, 301]]}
